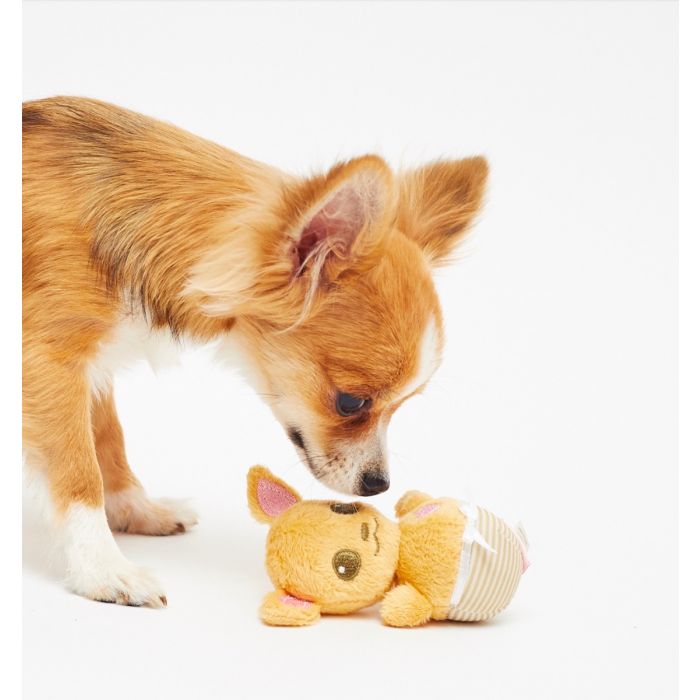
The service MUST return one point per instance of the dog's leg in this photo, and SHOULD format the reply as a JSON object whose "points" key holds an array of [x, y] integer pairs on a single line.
{"points": [[128, 507], [59, 437]]}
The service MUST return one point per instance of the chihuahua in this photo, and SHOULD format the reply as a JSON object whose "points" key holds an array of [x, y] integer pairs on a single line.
{"points": [[136, 232]]}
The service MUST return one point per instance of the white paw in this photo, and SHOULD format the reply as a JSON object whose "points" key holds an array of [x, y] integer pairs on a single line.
{"points": [[98, 570], [131, 510], [122, 583]]}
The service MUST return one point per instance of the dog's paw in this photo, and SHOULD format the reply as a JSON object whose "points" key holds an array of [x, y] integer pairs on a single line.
{"points": [[97, 569], [131, 510], [107, 576]]}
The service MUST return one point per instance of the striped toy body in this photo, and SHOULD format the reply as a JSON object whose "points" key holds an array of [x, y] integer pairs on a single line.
{"points": [[463, 559], [488, 575]]}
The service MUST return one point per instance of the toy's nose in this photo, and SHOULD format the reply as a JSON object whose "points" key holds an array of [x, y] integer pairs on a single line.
{"points": [[373, 483]]}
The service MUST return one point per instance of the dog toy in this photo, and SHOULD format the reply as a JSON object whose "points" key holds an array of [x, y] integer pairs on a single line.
{"points": [[443, 560]]}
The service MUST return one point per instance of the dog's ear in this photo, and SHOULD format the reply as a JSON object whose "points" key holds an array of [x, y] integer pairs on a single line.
{"points": [[268, 496], [341, 217], [438, 203], [273, 258]]}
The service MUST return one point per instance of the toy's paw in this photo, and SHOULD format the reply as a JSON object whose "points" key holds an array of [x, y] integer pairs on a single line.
{"points": [[409, 501], [404, 606], [281, 609]]}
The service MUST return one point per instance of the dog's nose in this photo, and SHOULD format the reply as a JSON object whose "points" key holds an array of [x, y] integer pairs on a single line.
{"points": [[373, 483]]}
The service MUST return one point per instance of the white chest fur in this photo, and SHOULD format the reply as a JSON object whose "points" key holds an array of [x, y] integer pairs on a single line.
{"points": [[129, 342]]}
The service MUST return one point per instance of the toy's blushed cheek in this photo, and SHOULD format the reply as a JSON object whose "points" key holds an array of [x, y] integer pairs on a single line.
{"points": [[427, 509], [294, 602]]}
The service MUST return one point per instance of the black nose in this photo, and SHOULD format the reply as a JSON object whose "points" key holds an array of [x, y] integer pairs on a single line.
{"points": [[373, 483]]}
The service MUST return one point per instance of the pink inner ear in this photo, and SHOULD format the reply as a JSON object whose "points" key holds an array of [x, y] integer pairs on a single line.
{"points": [[336, 224], [273, 498]]}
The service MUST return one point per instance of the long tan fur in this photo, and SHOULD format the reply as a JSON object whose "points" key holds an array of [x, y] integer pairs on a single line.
{"points": [[325, 281]]}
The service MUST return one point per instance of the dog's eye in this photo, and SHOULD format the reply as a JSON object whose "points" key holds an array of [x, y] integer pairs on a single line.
{"points": [[347, 404], [346, 564]]}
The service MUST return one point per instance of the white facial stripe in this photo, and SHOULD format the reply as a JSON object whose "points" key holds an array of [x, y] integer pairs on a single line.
{"points": [[428, 360]]}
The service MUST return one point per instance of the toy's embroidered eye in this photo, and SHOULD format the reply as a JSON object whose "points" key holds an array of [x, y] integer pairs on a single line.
{"points": [[347, 404], [346, 564], [346, 508]]}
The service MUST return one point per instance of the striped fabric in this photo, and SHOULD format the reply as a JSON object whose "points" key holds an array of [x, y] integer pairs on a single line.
{"points": [[492, 576]]}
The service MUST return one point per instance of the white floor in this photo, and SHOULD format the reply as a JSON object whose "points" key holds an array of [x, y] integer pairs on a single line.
{"points": [[594, 616], [573, 631]]}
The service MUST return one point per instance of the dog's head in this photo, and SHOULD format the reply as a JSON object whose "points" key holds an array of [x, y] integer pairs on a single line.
{"points": [[329, 283], [341, 556]]}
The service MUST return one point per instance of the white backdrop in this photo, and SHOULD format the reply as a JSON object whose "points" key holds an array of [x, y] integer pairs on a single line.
{"points": [[556, 400]]}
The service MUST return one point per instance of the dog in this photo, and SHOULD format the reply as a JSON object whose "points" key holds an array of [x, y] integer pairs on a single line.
{"points": [[136, 232]]}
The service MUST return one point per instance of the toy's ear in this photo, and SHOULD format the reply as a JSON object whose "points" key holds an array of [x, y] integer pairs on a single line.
{"points": [[409, 501], [268, 496]]}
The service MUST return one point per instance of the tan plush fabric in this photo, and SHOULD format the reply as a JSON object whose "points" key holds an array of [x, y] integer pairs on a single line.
{"points": [[444, 559], [493, 577]]}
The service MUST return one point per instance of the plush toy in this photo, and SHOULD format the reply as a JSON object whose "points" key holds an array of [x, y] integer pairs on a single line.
{"points": [[444, 560]]}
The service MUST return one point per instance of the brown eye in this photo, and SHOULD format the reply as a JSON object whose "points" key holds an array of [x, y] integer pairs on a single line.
{"points": [[347, 404], [346, 564]]}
